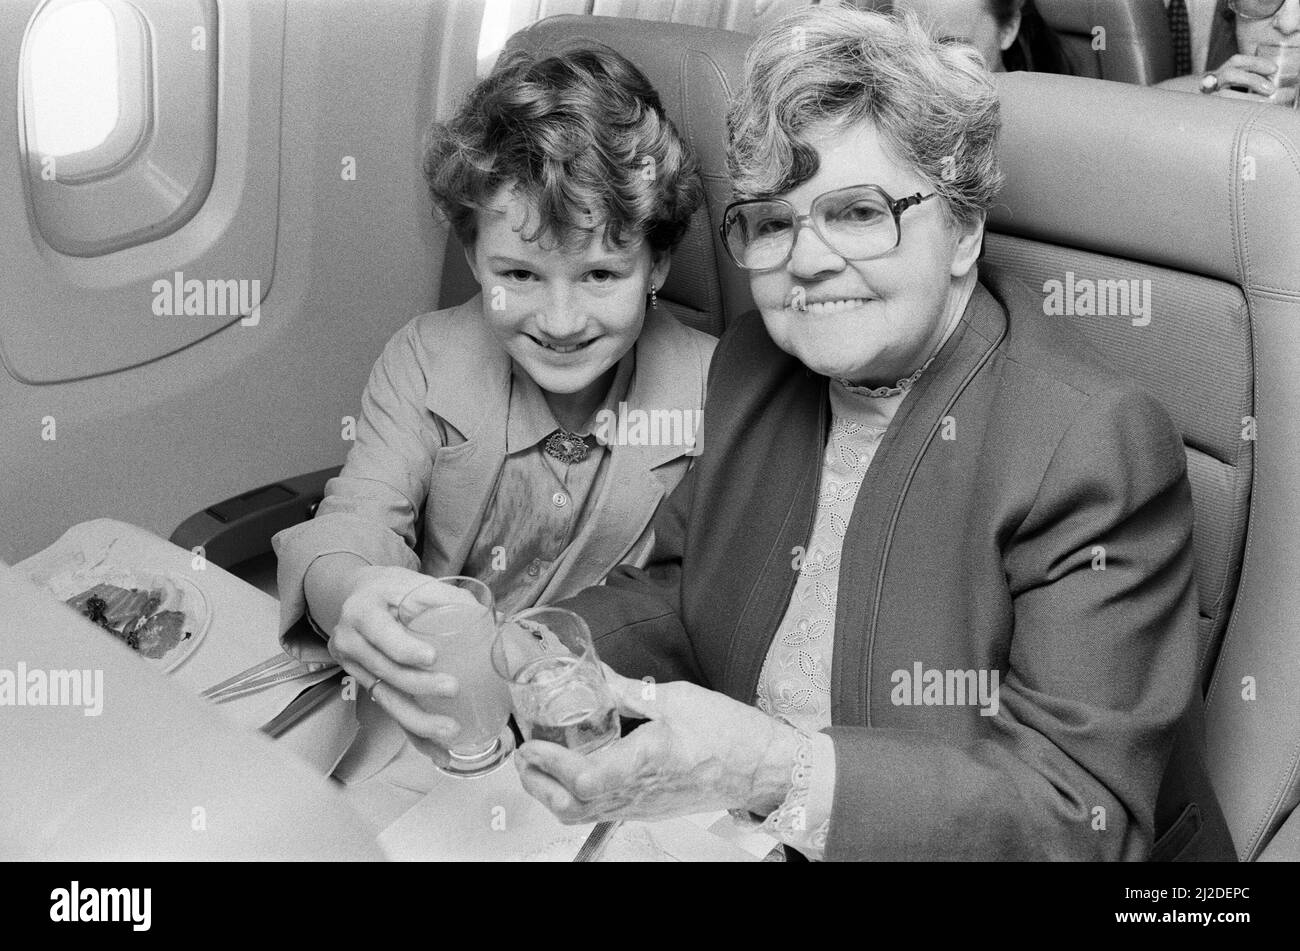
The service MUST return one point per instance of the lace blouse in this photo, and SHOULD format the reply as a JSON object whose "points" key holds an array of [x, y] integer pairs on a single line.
{"points": [[794, 684]]}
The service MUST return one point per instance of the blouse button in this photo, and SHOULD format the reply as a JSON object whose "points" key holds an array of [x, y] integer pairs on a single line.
{"points": [[560, 500]]}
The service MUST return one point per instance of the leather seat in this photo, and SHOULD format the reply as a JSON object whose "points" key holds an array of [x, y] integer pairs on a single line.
{"points": [[1137, 47], [744, 16], [1200, 198]]}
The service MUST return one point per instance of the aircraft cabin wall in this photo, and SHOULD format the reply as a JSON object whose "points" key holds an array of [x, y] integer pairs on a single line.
{"points": [[116, 405]]}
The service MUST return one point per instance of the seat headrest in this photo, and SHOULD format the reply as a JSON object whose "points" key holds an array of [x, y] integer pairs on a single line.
{"points": [[680, 60], [1185, 181], [1200, 197], [1118, 40]]}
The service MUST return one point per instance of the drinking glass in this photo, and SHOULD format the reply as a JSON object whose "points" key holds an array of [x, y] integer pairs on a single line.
{"points": [[557, 683], [1286, 72], [461, 635]]}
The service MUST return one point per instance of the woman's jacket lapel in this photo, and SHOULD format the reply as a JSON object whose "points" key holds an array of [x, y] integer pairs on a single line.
{"points": [[918, 422]]}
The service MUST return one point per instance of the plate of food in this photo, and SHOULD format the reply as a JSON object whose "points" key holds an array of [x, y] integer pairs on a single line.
{"points": [[160, 615]]}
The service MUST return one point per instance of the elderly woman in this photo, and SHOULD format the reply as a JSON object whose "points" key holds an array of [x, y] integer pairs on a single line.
{"points": [[928, 592], [1238, 29]]}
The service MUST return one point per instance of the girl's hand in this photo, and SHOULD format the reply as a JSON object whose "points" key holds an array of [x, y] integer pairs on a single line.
{"points": [[1253, 72], [701, 750], [387, 659]]}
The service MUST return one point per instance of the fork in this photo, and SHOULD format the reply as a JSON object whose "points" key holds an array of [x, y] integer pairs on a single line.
{"points": [[277, 670]]}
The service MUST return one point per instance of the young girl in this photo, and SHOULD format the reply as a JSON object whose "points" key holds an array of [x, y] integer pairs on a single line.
{"points": [[480, 450]]}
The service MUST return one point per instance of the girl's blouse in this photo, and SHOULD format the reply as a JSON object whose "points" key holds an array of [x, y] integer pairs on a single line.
{"points": [[539, 504]]}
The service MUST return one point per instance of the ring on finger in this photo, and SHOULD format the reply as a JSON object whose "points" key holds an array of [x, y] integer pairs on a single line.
{"points": [[373, 687]]}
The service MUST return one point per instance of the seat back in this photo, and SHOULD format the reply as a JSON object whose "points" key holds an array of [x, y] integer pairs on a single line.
{"points": [[1171, 224], [744, 16], [1126, 41]]}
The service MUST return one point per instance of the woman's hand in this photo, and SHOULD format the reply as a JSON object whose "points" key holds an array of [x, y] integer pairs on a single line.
{"points": [[388, 660], [700, 751], [1252, 72]]}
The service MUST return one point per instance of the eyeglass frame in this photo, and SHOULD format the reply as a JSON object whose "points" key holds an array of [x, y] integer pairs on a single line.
{"points": [[896, 207], [1232, 5]]}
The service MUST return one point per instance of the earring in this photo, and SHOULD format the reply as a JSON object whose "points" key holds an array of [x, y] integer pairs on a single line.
{"points": [[654, 296]]}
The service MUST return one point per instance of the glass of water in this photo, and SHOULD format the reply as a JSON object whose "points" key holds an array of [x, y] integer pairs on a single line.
{"points": [[461, 634], [556, 681], [1286, 72]]}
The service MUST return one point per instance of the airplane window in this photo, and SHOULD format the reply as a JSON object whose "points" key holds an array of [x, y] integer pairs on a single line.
{"points": [[74, 69], [493, 33], [119, 104]]}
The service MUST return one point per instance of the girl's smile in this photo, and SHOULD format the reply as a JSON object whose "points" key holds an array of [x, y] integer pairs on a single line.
{"points": [[562, 348]]}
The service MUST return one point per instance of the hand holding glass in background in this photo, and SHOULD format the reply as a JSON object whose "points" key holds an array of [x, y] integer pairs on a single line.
{"points": [[1286, 73]]}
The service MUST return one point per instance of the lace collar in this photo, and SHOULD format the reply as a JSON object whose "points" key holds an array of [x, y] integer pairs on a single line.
{"points": [[879, 392]]}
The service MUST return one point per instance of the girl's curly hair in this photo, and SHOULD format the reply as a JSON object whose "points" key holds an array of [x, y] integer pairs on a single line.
{"points": [[582, 135]]}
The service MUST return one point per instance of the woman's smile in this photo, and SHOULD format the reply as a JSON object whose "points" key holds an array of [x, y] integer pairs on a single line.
{"points": [[836, 305]]}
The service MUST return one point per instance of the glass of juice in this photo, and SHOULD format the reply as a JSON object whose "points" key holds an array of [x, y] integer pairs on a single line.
{"points": [[461, 633], [556, 681], [1286, 72]]}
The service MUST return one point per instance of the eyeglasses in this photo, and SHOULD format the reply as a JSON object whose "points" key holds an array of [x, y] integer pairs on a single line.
{"points": [[1255, 9], [857, 223]]}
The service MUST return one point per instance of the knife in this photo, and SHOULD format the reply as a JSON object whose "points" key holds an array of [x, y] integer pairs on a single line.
{"points": [[303, 704], [596, 841]]}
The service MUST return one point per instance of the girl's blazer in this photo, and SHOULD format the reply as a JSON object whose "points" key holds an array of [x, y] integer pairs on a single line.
{"points": [[431, 443]]}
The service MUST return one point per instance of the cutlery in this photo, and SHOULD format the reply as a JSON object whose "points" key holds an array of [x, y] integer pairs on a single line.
{"points": [[279, 660], [597, 841], [303, 704], [277, 670]]}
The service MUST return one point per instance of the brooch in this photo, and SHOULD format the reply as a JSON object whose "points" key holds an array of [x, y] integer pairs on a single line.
{"points": [[567, 447]]}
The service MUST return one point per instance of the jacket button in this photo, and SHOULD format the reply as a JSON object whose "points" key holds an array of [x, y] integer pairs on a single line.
{"points": [[560, 500], [534, 569]]}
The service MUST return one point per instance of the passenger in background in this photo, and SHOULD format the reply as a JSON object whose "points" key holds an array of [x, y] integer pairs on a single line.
{"points": [[1009, 34], [1036, 48], [1239, 27], [1193, 29], [487, 439]]}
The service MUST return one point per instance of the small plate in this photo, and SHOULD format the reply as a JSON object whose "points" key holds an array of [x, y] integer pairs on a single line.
{"points": [[179, 594]]}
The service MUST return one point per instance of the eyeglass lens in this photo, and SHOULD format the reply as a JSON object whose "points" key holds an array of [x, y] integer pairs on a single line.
{"points": [[854, 223]]}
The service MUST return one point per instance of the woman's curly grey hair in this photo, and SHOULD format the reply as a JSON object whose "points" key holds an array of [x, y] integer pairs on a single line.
{"points": [[827, 68], [583, 135]]}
